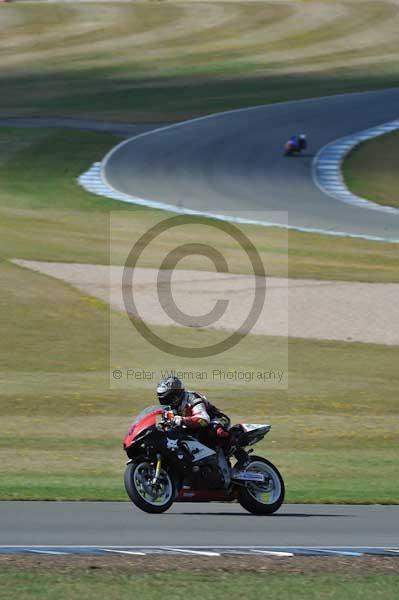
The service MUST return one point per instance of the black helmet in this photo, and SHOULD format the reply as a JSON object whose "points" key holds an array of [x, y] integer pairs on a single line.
{"points": [[170, 391]]}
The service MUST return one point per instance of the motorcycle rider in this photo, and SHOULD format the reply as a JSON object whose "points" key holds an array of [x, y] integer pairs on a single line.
{"points": [[193, 410], [302, 141], [299, 141]]}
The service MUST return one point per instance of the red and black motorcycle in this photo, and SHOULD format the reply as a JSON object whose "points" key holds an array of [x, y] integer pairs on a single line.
{"points": [[167, 464]]}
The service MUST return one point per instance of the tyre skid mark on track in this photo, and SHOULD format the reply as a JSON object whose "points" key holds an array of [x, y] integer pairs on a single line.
{"points": [[278, 551]]}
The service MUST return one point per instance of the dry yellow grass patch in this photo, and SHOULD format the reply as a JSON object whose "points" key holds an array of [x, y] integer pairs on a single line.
{"points": [[266, 33]]}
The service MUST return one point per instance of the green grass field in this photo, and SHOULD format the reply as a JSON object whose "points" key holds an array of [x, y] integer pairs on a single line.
{"points": [[82, 585], [61, 422], [372, 170]]}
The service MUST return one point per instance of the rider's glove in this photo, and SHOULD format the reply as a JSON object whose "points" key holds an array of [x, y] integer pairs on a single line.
{"points": [[177, 420], [169, 415]]}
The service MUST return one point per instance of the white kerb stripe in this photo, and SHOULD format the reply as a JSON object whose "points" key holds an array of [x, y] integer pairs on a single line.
{"points": [[136, 553], [272, 552], [200, 552], [44, 551], [340, 552]]}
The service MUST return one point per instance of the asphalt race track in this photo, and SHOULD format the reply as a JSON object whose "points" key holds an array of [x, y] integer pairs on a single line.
{"points": [[232, 163], [211, 525]]}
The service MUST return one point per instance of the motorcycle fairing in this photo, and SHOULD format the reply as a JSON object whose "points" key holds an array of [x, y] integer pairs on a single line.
{"points": [[146, 419], [248, 434], [197, 450], [254, 426]]}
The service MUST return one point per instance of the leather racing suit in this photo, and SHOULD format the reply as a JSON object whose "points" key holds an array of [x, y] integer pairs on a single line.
{"points": [[197, 413]]}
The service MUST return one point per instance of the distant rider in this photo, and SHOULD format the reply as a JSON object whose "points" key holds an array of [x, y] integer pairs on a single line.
{"points": [[192, 410], [299, 141]]}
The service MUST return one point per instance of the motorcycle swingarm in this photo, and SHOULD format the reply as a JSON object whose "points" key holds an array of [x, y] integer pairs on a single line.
{"points": [[243, 476]]}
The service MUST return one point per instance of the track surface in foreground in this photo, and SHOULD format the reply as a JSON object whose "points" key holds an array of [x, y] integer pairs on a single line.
{"points": [[211, 525], [232, 163]]}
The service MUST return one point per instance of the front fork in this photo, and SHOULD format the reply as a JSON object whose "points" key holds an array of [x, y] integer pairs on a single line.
{"points": [[157, 469]]}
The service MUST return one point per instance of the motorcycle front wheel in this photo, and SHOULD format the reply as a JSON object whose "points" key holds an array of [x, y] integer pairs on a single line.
{"points": [[146, 495], [262, 498]]}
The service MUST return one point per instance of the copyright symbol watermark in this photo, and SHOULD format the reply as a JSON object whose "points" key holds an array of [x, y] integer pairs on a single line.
{"points": [[166, 272], [117, 374]]}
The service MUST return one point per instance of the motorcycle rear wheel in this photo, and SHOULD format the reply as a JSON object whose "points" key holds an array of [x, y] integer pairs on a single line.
{"points": [[260, 499], [143, 494]]}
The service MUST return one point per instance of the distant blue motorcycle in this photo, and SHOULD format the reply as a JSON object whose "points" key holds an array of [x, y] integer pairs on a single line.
{"points": [[295, 145]]}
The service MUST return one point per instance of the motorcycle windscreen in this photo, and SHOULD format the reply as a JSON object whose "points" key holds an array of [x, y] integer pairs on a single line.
{"points": [[147, 418]]}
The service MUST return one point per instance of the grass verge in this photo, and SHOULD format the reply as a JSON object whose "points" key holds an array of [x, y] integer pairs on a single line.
{"points": [[215, 586], [62, 422], [372, 170], [135, 62]]}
